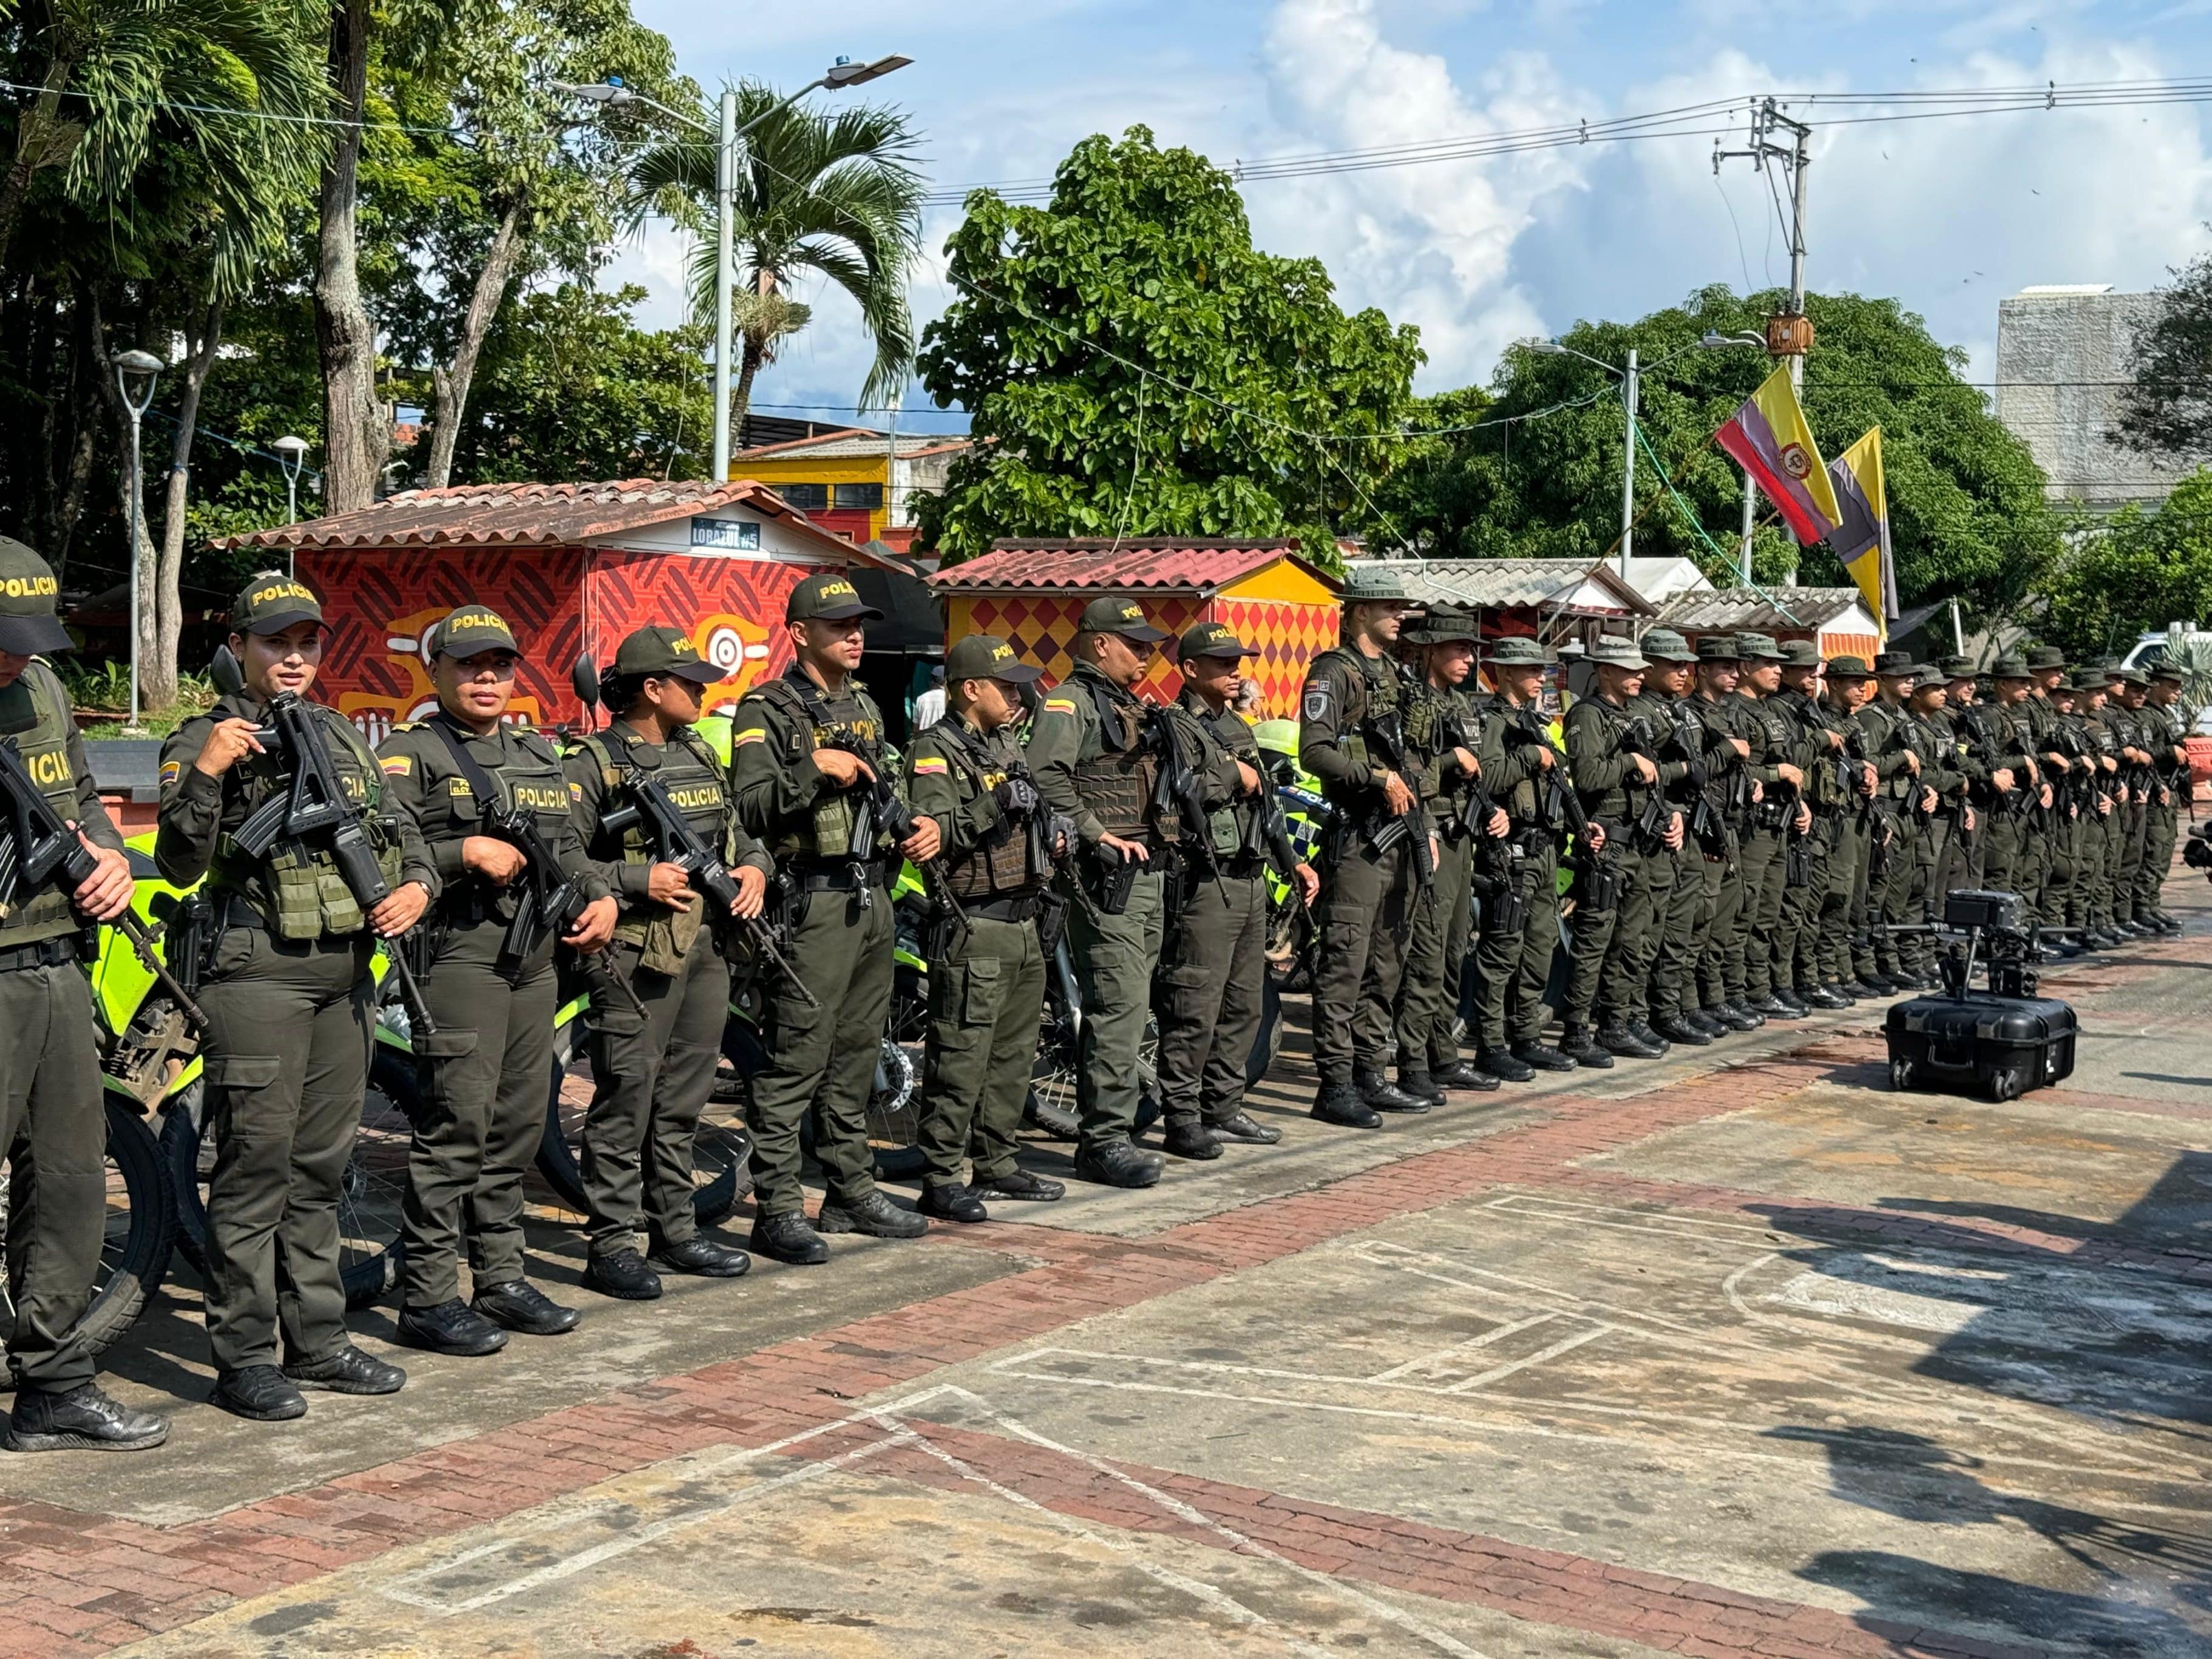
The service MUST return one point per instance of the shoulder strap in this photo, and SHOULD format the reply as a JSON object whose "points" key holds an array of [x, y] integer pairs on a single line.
{"points": [[479, 780]]}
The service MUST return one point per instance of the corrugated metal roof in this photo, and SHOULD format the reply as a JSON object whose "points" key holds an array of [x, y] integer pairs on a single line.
{"points": [[1733, 608], [1510, 584], [527, 515], [1170, 563], [830, 446]]}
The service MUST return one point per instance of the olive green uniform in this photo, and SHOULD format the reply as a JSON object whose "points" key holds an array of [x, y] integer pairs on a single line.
{"points": [[290, 1001], [1686, 749], [1090, 750], [1429, 997], [53, 1123], [1213, 960], [986, 978], [1846, 947], [2095, 821], [2134, 815], [1996, 740], [2165, 729], [1368, 897], [483, 1075], [1720, 963], [821, 1059], [2048, 863], [1608, 931], [1756, 939], [1892, 831], [1518, 882], [651, 1077], [1806, 880]]}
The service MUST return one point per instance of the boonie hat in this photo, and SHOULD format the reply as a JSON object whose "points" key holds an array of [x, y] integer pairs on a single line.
{"points": [[28, 594], [1847, 667], [2163, 670], [1665, 645], [1801, 654], [664, 650], [1447, 624], [1891, 664], [829, 596], [1372, 582], [272, 602], [2091, 679], [1110, 615], [2130, 677], [470, 629], [2011, 666], [1758, 647], [987, 657], [1517, 651], [1211, 638], [1717, 647], [1612, 653], [1958, 668], [2047, 656], [1931, 678]]}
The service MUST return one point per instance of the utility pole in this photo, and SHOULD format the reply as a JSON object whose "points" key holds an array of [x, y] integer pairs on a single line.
{"points": [[1790, 334]]}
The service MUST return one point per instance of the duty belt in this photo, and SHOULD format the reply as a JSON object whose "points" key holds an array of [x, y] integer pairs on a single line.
{"points": [[834, 878], [1021, 907], [45, 953]]}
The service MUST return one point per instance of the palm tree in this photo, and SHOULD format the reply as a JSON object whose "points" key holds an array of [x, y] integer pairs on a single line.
{"points": [[838, 195]]}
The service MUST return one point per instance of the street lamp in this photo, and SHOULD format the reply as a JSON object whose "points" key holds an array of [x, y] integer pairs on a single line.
{"points": [[613, 94], [1714, 341], [136, 373], [291, 451]]}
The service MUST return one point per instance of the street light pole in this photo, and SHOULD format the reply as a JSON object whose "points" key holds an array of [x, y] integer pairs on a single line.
{"points": [[145, 369], [290, 452], [1628, 463]]}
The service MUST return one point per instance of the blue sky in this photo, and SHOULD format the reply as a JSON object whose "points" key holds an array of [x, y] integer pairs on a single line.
{"points": [[1950, 216]]}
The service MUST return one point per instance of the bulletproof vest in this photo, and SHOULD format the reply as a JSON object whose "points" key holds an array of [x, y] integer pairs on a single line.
{"points": [[44, 746], [1825, 789], [528, 779], [998, 866], [687, 770], [1225, 825], [306, 897], [1117, 782], [1610, 722], [1370, 696], [825, 831]]}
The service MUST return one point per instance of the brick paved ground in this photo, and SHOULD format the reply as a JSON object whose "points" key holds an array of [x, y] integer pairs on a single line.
{"points": [[1735, 1354]]}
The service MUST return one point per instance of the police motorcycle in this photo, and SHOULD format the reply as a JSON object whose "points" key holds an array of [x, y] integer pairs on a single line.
{"points": [[1292, 933]]}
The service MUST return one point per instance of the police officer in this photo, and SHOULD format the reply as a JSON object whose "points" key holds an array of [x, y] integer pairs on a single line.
{"points": [[986, 970], [2008, 777], [2138, 764], [1901, 804], [1685, 767], [1446, 723], [1519, 926], [1612, 894], [2097, 814], [652, 1074], [2050, 862], [2167, 731], [1960, 722], [1779, 811], [482, 1073], [53, 1122], [290, 1002], [1350, 736], [1951, 816], [1847, 945], [1213, 960], [806, 761], [1722, 713], [1827, 796]]}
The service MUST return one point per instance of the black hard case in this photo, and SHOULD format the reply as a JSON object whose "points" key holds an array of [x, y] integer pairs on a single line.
{"points": [[2004, 1046]]}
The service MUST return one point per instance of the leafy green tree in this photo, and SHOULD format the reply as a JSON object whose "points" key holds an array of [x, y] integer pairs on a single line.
{"points": [[838, 195], [569, 388], [1132, 364], [2168, 410], [1966, 510], [2137, 572]]}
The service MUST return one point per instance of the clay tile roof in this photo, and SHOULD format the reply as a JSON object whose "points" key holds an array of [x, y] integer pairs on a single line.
{"points": [[525, 515], [1157, 563], [1731, 609]]}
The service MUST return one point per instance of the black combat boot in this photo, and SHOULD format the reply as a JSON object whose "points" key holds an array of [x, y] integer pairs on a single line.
{"points": [[1461, 1075], [1505, 1066], [1544, 1057], [260, 1392], [873, 1215], [519, 1306], [703, 1258], [786, 1236], [1677, 1028], [81, 1419], [1624, 1042], [1415, 1080], [1580, 1044], [451, 1326], [950, 1203], [1241, 1128], [1339, 1103], [1378, 1093], [621, 1274], [1019, 1185], [1119, 1164], [347, 1371], [1186, 1137]]}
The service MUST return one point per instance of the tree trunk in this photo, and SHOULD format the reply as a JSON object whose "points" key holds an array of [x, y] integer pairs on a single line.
{"points": [[37, 145], [356, 437], [741, 394], [452, 380], [158, 670], [86, 367]]}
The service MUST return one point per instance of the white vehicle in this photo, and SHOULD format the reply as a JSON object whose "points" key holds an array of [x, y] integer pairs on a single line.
{"points": [[2149, 649]]}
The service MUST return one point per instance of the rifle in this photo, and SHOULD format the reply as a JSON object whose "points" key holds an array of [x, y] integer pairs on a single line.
{"points": [[545, 900], [1472, 804], [880, 807], [1650, 826], [38, 847], [676, 842], [1386, 733], [1555, 799], [1707, 825], [315, 809], [1176, 796]]}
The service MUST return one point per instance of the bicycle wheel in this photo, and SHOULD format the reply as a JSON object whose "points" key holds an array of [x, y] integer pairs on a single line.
{"points": [[722, 1150], [139, 1233]]}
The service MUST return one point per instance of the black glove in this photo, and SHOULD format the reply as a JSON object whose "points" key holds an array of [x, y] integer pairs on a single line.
{"points": [[1016, 797]]}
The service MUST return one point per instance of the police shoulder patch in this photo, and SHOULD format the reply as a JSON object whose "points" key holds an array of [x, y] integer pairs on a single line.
{"points": [[1317, 701], [1058, 706], [397, 766], [171, 770]]}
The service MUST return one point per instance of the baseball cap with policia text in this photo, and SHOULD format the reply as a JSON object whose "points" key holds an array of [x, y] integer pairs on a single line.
{"points": [[28, 596], [986, 657]]}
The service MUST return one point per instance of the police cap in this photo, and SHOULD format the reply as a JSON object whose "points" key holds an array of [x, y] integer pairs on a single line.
{"points": [[1717, 647], [470, 629], [272, 602], [1372, 582], [829, 596], [1211, 638], [1114, 615], [664, 650], [28, 594], [1801, 654], [987, 657]]}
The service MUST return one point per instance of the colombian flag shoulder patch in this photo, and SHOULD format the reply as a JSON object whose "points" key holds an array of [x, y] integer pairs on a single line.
{"points": [[575, 791], [751, 734], [397, 766], [1059, 705], [931, 764]]}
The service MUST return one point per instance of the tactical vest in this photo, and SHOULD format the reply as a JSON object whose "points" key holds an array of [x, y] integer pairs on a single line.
{"points": [[998, 866], [827, 831], [1117, 782], [45, 749], [1375, 698], [307, 898], [529, 780], [693, 779], [1225, 824]]}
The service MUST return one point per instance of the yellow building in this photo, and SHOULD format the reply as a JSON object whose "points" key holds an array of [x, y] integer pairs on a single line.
{"points": [[857, 482]]}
